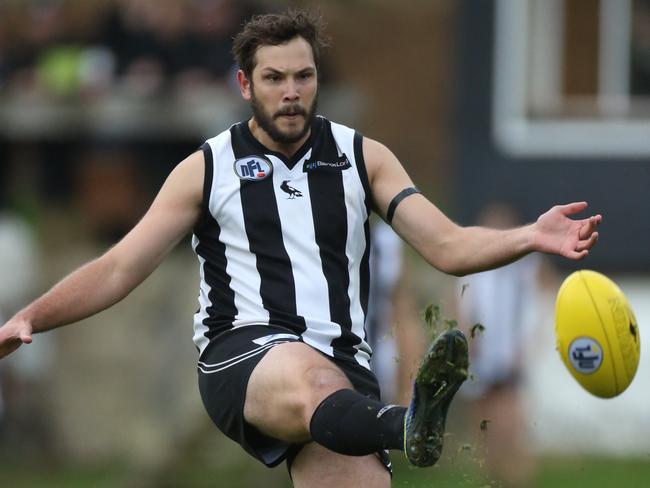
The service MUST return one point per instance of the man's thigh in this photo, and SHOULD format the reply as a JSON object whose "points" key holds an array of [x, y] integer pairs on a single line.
{"points": [[285, 388], [225, 368], [261, 393], [316, 467]]}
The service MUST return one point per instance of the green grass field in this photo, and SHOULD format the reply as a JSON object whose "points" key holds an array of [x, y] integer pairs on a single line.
{"points": [[554, 473]]}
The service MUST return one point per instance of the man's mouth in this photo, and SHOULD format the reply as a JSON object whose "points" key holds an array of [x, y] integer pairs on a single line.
{"points": [[291, 114]]}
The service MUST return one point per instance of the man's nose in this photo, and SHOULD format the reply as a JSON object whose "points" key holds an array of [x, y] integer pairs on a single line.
{"points": [[291, 91]]}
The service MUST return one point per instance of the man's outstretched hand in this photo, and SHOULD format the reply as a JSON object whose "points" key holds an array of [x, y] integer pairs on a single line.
{"points": [[556, 233], [14, 334]]}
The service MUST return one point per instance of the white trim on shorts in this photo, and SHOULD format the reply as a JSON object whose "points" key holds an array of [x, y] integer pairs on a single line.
{"points": [[242, 357]]}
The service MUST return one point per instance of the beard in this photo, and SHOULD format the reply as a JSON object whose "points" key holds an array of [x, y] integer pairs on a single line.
{"points": [[269, 125]]}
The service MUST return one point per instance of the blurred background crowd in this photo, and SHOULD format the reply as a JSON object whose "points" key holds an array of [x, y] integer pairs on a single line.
{"points": [[84, 87], [100, 99], [85, 49]]}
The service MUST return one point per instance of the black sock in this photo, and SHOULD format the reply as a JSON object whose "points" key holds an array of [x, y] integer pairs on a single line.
{"points": [[349, 423]]}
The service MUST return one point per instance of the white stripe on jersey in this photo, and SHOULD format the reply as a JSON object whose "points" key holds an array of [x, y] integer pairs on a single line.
{"points": [[200, 339], [241, 263], [356, 240]]}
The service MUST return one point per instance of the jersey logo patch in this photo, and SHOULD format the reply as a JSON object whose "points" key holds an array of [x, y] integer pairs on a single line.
{"points": [[293, 192], [253, 168], [338, 165]]}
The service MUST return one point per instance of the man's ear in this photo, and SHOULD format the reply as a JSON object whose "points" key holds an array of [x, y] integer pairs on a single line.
{"points": [[244, 85]]}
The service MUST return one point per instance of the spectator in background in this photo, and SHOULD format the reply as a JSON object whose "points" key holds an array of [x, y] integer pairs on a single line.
{"points": [[214, 25], [63, 49], [160, 44], [503, 301], [44, 46], [4, 45], [394, 333], [18, 262]]}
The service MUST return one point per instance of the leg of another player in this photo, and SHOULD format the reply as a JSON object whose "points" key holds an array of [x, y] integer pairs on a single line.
{"points": [[318, 467], [508, 455]]}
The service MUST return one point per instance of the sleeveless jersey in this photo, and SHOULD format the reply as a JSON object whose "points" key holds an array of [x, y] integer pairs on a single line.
{"points": [[286, 241]]}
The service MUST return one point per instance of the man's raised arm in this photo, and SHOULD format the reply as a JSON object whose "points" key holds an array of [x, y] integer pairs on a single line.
{"points": [[108, 279], [462, 250]]}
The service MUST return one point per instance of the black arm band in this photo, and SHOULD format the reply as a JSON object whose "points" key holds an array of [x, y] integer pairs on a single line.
{"points": [[396, 201]]}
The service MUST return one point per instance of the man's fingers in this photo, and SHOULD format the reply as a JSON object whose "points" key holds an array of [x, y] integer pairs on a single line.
{"points": [[577, 254], [589, 226], [11, 339], [588, 243], [572, 208], [9, 347]]}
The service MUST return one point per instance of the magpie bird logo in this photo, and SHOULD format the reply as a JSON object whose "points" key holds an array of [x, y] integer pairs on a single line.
{"points": [[291, 191]]}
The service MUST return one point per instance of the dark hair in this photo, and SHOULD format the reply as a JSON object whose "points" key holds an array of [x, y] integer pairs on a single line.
{"points": [[277, 29]]}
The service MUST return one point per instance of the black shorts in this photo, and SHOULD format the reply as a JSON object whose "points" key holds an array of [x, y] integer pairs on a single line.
{"points": [[224, 370]]}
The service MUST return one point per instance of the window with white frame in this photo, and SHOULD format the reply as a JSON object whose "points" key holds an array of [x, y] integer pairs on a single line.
{"points": [[572, 78]]}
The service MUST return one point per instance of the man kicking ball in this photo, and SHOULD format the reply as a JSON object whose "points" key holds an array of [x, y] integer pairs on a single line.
{"points": [[283, 360]]}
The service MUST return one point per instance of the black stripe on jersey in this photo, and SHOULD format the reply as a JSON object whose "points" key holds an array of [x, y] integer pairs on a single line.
{"points": [[264, 232], [364, 266], [331, 228], [207, 183], [221, 311], [364, 271], [361, 168]]}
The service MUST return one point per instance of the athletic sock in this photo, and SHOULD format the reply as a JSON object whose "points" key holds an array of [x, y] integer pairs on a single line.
{"points": [[349, 423]]}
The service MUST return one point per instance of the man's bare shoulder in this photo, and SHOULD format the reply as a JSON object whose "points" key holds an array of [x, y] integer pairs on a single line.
{"points": [[184, 185], [375, 150], [190, 171], [377, 155], [194, 163]]}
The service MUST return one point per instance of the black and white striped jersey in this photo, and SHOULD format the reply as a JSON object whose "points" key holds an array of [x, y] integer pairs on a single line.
{"points": [[286, 241]]}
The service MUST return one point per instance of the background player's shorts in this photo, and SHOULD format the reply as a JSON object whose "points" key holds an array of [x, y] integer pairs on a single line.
{"points": [[224, 369]]}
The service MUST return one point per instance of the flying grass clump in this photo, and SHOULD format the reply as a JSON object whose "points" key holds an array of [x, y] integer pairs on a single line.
{"points": [[435, 323]]}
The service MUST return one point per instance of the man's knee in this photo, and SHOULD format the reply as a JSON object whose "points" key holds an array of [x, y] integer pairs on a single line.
{"points": [[289, 383], [319, 382]]}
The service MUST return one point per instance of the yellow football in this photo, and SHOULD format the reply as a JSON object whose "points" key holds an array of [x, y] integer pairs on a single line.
{"points": [[597, 333]]}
